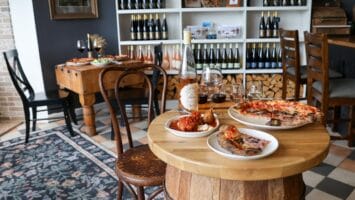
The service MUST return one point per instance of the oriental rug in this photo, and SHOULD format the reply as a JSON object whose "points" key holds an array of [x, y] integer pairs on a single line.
{"points": [[54, 165]]}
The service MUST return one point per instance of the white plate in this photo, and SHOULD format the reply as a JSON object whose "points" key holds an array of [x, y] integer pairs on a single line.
{"points": [[189, 134], [258, 123], [100, 64], [269, 149]]}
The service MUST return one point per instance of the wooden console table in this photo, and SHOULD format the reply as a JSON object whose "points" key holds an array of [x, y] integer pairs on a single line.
{"points": [[84, 81], [344, 41]]}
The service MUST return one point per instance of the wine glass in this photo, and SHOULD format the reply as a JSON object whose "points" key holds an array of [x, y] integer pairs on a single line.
{"points": [[237, 93], [97, 46], [212, 79], [80, 45]]}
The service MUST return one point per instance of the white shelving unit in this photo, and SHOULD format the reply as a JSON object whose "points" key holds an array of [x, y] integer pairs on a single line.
{"points": [[292, 17]]}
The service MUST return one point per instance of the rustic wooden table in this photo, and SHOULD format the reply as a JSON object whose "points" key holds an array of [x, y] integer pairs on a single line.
{"points": [[345, 41], [84, 80], [196, 172]]}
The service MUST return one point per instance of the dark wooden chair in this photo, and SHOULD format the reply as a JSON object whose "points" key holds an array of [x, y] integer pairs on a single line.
{"points": [[57, 99], [291, 68], [136, 166], [322, 90]]}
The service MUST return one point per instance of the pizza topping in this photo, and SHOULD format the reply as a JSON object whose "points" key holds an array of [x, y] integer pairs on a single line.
{"points": [[239, 143], [195, 122]]}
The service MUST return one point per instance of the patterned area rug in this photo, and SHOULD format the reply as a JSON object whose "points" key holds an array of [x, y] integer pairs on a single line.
{"points": [[54, 165]]}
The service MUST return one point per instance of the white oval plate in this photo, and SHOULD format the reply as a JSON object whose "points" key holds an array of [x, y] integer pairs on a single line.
{"points": [[269, 149], [100, 64], [190, 134], [258, 123], [77, 64]]}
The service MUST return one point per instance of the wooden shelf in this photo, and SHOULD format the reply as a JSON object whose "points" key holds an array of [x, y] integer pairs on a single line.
{"points": [[263, 71], [217, 41], [143, 11], [278, 8], [148, 42]]}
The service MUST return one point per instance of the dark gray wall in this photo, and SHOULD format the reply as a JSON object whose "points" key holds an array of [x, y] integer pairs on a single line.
{"points": [[57, 38]]}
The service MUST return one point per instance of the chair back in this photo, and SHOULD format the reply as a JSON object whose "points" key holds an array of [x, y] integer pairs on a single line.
{"points": [[290, 51], [18, 77], [317, 63], [105, 74]]}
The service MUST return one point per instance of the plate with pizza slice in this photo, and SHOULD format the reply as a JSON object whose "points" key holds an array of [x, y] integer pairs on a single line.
{"points": [[263, 114], [242, 143], [79, 61]]}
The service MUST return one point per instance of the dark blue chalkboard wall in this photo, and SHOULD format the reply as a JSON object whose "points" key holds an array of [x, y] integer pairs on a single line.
{"points": [[57, 38]]}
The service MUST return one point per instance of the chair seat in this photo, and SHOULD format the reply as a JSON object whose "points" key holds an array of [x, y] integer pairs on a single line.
{"points": [[303, 71], [53, 97], [140, 167], [338, 88]]}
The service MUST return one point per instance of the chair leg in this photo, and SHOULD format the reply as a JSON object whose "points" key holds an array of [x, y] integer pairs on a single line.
{"points": [[336, 118], [119, 190], [297, 90], [67, 118], [140, 193], [34, 118], [27, 122]]}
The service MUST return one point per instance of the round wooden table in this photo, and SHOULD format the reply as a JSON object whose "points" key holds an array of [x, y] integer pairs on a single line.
{"points": [[196, 172]]}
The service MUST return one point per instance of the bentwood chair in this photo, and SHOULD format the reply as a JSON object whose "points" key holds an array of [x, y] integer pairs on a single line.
{"points": [[57, 99], [292, 70], [138, 95], [137, 165], [323, 90]]}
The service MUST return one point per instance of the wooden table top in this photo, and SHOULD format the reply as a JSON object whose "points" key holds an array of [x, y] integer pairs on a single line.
{"points": [[299, 150], [345, 41]]}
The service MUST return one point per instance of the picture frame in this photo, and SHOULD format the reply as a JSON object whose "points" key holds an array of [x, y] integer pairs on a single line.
{"points": [[73, 9]]}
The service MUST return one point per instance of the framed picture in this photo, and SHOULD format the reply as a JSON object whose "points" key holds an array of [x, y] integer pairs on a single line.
{"points": [[73, 9]]}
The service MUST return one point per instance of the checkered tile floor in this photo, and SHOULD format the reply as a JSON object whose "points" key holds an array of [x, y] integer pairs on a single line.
{"points": [[333, 179]]}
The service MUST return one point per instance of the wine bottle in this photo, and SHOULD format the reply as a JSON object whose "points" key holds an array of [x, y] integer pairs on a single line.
{"points": [[138, 4], [275, 28], [164, 28], [89, 46], [187, 86], [267, 56], [140, 55], [145, 4], [152, 4], [133, 28], [266, 3], [262, 28], [299, 3], [199, 58], [279, 58], [274, 63], [284, 3], [230, 57], [236, 57], [224, 58], [261, 57], [292, 3], [254, 56], [149, 57], [130, 4], [205, 57], [123, 4], [157, 27], [139, 28], [275, 3], [166, 61], [151, 27], [268, 26], [160, 4], [145, 28], [132, 55], [212, 57], [218, 57], [177, 57], [248, 57]]}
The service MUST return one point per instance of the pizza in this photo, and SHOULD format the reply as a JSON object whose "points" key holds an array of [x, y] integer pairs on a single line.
{"points": [[195, 122], [79, 61], [288, 113], [235, 142]]}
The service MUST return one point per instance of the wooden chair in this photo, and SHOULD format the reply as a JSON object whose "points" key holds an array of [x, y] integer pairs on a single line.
{"points": [[32, 100], [327, 92], [136, 166], [291, 68]]}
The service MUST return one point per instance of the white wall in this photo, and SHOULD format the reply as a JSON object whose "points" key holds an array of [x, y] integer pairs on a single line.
{"points": [[24, 27]]}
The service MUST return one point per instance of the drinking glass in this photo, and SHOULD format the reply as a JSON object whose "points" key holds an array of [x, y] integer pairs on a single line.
{"points": [[255, 91], [237, 93], [212, 79], [97, 46], [80, 45]]}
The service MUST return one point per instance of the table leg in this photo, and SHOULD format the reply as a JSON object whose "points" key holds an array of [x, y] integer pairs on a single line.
{"points": [[87, 102], [185, 185]]}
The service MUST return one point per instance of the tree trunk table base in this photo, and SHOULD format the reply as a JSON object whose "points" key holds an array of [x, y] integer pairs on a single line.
{"points": [[181, 185]]}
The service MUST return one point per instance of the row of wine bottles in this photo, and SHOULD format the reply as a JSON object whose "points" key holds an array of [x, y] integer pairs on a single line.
{"points": [[143, 28], [284, 2], [141, 4], [269, 28], [221, 58], [263, 58]]}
